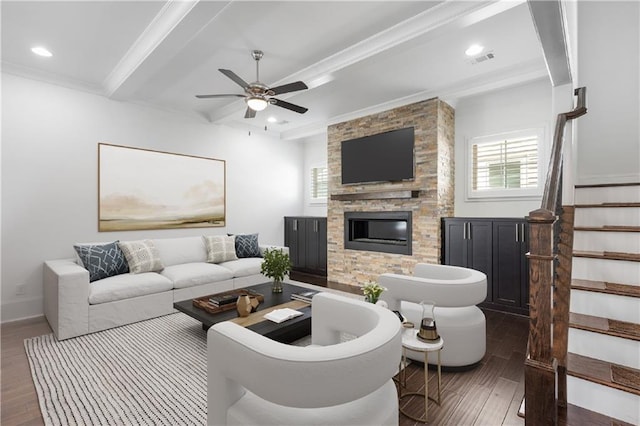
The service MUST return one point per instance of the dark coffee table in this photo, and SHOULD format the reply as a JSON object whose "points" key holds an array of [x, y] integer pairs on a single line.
{"points": [[285, 332]]}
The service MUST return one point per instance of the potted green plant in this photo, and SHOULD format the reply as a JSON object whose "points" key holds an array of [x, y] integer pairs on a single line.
{"points": [[276, 264], [372, 291]]}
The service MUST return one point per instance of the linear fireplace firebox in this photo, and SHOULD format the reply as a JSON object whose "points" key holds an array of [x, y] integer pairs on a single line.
{"points": [[387, 232]]}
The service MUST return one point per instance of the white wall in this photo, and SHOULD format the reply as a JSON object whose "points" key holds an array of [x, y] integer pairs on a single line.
{"points": [[50, 136], [609, 67], [315, 154], [500, 111]]}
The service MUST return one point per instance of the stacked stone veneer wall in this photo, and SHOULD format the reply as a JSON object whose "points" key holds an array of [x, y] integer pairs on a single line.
{"points": [[433, 122]]}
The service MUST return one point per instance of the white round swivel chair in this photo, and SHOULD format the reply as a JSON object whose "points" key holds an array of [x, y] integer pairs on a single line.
{"points": [[253, 380], [455, 291]]}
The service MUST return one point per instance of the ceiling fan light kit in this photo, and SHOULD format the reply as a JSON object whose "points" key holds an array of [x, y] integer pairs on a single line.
{"points": [[257, 95], [256, 103]]}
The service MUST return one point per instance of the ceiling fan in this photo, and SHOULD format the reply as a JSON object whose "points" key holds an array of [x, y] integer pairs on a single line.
{"points": [[257, 95]]}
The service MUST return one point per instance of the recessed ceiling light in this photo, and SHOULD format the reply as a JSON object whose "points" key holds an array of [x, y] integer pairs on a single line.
{"points": [[473, 50], [42, 51], [272, 119]]}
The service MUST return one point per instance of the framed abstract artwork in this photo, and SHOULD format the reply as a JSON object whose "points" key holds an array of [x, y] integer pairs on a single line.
{"points": [[144, 189]]}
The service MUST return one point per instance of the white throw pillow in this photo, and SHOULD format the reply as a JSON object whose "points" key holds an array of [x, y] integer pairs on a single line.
{"points": [[142, 256], [220, 248]]}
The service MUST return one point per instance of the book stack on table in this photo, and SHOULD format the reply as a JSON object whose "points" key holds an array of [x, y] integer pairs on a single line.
{"points": [[222, 300], [304, 296]]}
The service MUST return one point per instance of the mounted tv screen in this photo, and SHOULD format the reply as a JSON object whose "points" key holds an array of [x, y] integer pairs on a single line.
{"points": [[385, 157]]}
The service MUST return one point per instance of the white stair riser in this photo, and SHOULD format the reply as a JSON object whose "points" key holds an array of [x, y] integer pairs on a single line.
{"points": [[622, 194], [604, 347], [613, 216], [624, 242], [612, 271], [621, 308], [603, 399]]}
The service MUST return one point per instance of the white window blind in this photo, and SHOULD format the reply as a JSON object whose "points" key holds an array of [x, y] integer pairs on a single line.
{"points": [[505, 165], [319, 183]]}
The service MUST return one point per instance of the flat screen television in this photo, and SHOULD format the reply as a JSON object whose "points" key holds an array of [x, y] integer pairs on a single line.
{"points": [[385, 157]]}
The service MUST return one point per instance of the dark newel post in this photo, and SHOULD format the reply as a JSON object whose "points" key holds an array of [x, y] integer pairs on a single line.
{"points": [[562, 300], [540, 366]]}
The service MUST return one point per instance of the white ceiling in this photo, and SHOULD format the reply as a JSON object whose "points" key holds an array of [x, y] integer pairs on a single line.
{"points": [[357, 57]]}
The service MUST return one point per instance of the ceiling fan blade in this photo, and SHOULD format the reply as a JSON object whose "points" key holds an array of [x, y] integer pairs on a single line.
{"points": [[219, 96], [287, 105], [250, 113], [291, 87], [233, 76]]}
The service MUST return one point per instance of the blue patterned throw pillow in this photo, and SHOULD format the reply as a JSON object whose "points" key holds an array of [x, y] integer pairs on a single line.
{"points": [[247, 246], [102, 260]]}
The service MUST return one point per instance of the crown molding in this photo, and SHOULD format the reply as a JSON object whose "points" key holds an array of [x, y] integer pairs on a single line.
{"points": [[515, 75]]}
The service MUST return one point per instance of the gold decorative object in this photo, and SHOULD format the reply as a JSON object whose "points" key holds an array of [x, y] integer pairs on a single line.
{"points": [[246, 305]]}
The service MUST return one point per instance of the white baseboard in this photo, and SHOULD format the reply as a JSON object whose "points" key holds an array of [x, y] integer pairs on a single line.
{"points": [[21, 310]]}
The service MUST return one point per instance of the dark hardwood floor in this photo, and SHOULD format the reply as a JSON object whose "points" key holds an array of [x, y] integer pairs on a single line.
{"points": [[488, 394]]}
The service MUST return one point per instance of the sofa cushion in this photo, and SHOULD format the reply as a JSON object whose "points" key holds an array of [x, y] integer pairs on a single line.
{"points": [[243, 267], [102, 260], [126, 286], [247, 246], [220, 248], [176, 251], [142, 256], [193, 274]]}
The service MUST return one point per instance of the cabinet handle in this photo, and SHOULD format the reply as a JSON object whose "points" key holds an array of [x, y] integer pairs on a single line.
{"points": [[464, 231], [295, 224], [469, 231], [522, 239], [517, 232], [315, 226]]}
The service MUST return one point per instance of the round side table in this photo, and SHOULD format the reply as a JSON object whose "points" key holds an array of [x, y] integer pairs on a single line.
{"points": [[411, 341]]}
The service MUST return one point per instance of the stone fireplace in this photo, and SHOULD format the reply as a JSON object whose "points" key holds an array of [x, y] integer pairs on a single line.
{"points": [[380, 212]]}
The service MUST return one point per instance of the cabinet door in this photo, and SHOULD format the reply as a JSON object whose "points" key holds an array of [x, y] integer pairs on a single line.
{"points": [[294, 236], [322, 246], [455, 242], [524, 249], [507, 263], [316, 244], [467, 243], [479, 238]]}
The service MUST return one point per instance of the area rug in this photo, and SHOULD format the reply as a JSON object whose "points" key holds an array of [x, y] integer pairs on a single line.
{"points": [[149, 373]]}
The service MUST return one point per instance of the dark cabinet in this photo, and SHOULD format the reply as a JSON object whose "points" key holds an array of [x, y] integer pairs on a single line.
{"points": [[497, 247], [467, 243], [306, 238], [510, 267]]}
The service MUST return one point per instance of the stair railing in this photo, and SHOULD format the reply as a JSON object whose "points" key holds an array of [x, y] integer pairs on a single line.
{"points": [[549, 288]]}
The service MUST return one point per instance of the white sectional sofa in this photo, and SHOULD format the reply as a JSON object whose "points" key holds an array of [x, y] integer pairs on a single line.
{"points": [[74, 306]]}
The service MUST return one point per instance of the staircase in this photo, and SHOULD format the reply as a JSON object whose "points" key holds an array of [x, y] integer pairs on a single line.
{"points": [[603, 363]]}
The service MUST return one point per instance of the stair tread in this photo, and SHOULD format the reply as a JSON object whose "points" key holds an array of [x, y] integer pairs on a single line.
{"points": [[608, 185], [609, 204], [606, 287], [623, 329], [605, 373], [608, 228], [611, 255], [573, 415]]}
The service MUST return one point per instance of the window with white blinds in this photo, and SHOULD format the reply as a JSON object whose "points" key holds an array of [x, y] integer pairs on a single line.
{"points": [[505, 165], [319, 184]]}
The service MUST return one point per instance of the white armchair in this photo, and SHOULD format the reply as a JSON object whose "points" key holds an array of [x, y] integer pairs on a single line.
{"points": [[253, 380], [455, 291]]}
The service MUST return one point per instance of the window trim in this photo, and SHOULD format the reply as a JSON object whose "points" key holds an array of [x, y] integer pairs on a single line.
{"points": [[505, 194]]}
